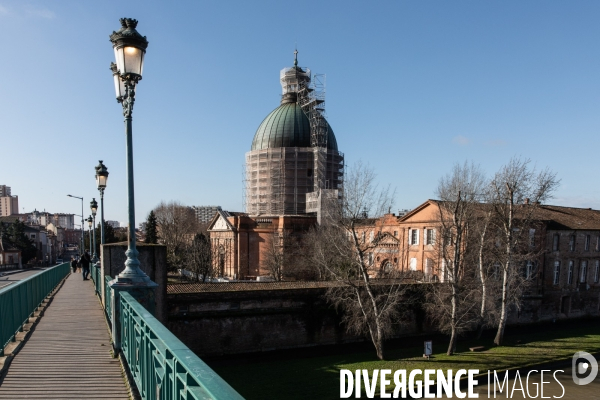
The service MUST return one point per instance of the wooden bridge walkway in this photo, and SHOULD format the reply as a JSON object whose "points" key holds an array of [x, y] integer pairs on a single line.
{"points": [[68, 353]]}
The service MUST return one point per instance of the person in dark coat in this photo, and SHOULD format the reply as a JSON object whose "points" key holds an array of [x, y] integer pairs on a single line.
{"points": [[73, 264], [85, 265]]}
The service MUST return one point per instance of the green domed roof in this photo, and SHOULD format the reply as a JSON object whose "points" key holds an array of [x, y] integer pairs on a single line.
{"points": [[287, 126]]}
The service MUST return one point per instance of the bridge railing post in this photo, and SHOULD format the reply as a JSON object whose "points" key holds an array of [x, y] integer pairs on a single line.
{"points": [[145, 295]]}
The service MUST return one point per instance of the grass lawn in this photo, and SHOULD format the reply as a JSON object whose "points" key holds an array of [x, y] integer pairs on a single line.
{"points": [[314, 373]]}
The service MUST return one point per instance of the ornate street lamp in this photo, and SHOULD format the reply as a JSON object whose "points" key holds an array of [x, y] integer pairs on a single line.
{"points": [[94, 208], [101, 180], [90, 222], [130, 48]]}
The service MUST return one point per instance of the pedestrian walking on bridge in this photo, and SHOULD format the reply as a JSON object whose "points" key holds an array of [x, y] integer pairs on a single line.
{"points": [[85, 264], [73, 264]]}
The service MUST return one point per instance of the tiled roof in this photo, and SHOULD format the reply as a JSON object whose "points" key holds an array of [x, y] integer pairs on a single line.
{"points": [[569, 217], [557, 217]]}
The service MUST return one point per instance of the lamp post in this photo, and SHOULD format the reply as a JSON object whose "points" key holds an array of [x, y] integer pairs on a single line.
{"points": [[82, 250], [94, 208], [90, 222], [101, 179], [130, 47]]}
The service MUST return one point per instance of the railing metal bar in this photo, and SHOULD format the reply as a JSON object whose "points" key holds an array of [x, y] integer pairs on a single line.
{"points": [[19, 300], [187, 375]]}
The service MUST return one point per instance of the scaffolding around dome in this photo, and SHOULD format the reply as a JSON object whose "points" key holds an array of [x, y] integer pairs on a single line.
{"points": [[294, 180], [279, 181]]}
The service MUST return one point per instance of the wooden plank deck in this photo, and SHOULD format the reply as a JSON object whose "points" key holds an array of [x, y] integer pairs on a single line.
{"points": [[68, 354]]}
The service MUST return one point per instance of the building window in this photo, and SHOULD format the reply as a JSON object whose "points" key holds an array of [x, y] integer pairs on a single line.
{"points": [[370, 258], [556, 272], [570, 278], [413, 237], [428, 266], [583, 276], [413, 264], [529, 269], [572, 243], [555, 242], [387, 267], [371, 236], [430, 236], [597, 272], [588, 239], [598, 243], [532, 238], [396, 233]]}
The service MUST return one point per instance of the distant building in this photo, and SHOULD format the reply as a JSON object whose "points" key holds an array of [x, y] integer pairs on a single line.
{"points": [[9, 205], [114, 224], [205, 214], [9, 255], [66, 221], [44, 218], [4, 190], [72, 236]]}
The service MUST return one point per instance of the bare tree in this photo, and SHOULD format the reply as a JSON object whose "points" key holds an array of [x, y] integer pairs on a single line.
{"points": [[485, 264], [452, 303], [276, 257], [177, 226], [198, 257], [345, 247], [515, 192]]}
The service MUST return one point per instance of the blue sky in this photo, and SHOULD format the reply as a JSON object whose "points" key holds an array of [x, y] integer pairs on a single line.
{"points": [[413, 87]]}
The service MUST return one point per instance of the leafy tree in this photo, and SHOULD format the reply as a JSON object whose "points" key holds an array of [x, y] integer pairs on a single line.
{"points": [[15, 235], [151, 229], [110, 236]]}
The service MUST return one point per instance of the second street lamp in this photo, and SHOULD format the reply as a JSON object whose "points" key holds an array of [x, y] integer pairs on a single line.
{"points": [[101, 180], [94, 208], [90, 221]]}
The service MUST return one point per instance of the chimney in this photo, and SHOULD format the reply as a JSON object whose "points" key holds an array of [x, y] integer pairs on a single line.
{"points": [[526, 200]]}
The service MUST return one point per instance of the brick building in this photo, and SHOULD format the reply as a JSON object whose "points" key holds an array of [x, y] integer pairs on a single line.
{"points": [[239, 242], [565, 276], [292, 167]]}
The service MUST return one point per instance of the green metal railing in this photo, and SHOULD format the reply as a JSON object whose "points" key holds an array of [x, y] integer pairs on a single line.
{"points": [[160, 364], [108, 298], [95, 274], [19, 300]]}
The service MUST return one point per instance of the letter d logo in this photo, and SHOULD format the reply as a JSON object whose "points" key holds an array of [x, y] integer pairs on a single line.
{"points": [[581, 368]]}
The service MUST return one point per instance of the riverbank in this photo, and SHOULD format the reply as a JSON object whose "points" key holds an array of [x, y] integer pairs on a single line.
{"points": [[314, 373]]}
